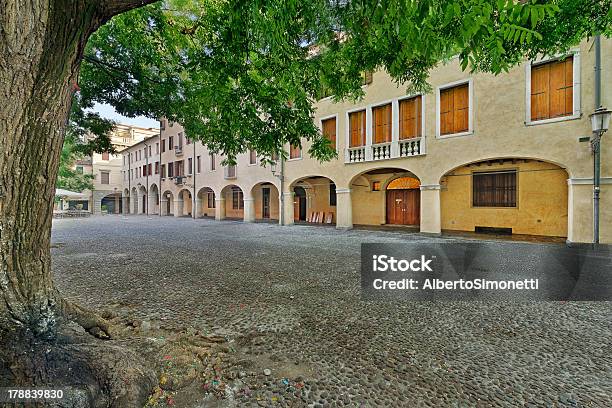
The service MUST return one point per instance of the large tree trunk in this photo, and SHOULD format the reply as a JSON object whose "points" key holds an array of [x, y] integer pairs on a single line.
{"points": [[41, 43], [41, 46]]}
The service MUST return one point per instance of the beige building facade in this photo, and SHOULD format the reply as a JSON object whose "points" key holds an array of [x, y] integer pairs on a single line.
{"points": [[478, 153], [106, 169]]}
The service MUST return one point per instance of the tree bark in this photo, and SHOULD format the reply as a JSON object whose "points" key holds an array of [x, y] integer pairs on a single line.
{"points": [[41, 46]]}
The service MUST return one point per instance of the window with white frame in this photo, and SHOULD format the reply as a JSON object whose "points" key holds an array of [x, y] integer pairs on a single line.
{"points": [[454, 109], [553, 89]]}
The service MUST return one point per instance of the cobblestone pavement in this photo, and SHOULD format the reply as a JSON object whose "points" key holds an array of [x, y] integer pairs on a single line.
{"points": [[291, 297]]}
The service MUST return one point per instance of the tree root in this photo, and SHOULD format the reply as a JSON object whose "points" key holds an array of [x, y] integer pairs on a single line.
{"points": [[87, 319]]}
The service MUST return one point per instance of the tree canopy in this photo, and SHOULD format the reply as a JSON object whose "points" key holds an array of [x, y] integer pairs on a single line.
{"points": [[246, 75]]}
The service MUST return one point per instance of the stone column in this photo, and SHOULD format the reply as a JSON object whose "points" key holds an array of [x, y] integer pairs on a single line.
{"points": [[249, 209], [288, 210], [219, 209], [125, 205], [344, 208], [163, 206], [197, 208], [178, 208], [116, 209], [580, 212], [139, 204], [431, 221]]}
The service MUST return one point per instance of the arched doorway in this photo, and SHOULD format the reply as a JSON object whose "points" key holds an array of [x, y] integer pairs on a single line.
{"points": [[266, 200], [153, 199], [111, 204], [506, 196], [386, 196], [142, 196], [314, 200], [167, 203], [299, 204], [403, 201], [207, 198], [234, 202]]}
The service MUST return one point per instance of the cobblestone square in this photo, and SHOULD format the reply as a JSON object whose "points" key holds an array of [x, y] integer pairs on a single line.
{"points": [[289, 297]]}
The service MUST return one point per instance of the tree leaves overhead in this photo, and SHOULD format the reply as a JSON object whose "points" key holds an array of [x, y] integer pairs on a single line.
{"points": [[245, 74]]}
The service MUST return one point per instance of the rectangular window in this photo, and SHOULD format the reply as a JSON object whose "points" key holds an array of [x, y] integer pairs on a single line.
{"points": [[357, 128], [104, 177], [163, 145], [180, 139], [150, 151], [494, 189], [376, 186], [105, 156], [189, 165], [381, 123], [156, 167], [157, 148], [170, 169], [410, 120], [230, 172], [79, 169], [252, 157], [179, 168], [171, 143], [329, 130], [332, 194], [454, 109], [162, 124], [237, 199], [149, 172], [163, 171], [295, 152], [212, 162], [552, 89], [367, 77], [198, 164], [210, 196]]}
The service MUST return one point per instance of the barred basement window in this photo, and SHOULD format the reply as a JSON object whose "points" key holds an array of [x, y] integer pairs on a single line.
{"points": [[494, 189]]}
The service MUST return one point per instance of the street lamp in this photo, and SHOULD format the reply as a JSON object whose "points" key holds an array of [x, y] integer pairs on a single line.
{"points": [[600, 121]]}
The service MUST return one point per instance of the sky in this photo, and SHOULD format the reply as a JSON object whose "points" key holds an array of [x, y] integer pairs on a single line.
{"points": [[107, 111]]}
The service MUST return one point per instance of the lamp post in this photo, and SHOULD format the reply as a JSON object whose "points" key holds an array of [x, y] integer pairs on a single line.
{"points": [[600, 121], [281, 178]]}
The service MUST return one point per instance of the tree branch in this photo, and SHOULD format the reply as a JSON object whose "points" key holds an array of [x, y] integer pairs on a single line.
{"points": [[110, 8]]}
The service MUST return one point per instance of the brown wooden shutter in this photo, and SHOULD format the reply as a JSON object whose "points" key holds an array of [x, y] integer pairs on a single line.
{"points": [[410, 118], [381, 125], [461, 108], [540, 92], [357, 128], [446, 111], [329, 130]]}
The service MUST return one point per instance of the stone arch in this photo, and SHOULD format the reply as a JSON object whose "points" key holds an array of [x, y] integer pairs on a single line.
{"points": [[153, 201], [265, 203], [142, 200], [231, 200], [373, 204], [184, 202], [206, 199], [112, 203], [167, 203], [314, 200], [511, 195]]}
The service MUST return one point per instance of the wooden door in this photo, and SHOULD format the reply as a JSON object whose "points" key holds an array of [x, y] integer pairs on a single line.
{"points": [[403, 207], [265, 205]]}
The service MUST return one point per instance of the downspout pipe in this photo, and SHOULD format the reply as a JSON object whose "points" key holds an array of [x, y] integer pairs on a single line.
{"points": [[147, 178], [282, 190], [597, 144], [193, 172]]}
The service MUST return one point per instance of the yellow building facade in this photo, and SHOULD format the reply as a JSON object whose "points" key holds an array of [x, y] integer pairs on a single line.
{"points": [[477, 153]]}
